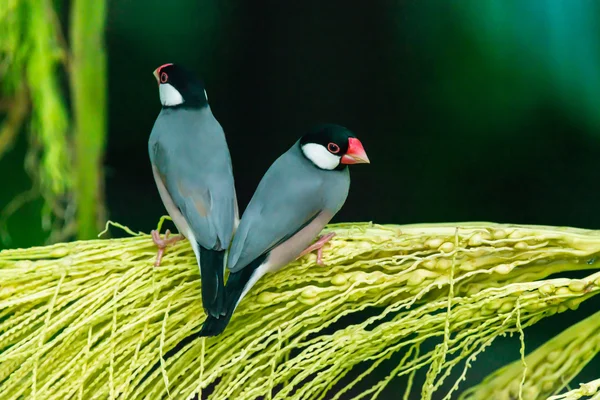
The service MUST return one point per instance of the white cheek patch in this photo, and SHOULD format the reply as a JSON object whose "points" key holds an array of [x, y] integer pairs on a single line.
{"points": [[205, 95], [169, 96], [320, 156]]}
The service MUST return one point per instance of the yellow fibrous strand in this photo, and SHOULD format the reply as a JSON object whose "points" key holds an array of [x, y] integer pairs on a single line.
{"points": [[88, 319], [559, 359]]}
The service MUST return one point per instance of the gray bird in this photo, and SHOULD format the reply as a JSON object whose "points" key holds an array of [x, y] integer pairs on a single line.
{"points": [[296, 198], [192, 169]]}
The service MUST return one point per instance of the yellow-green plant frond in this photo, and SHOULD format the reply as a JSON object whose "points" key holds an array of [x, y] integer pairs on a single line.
{"points": [[88, 319], [32, 53], [589, 390], [32, 61], [49, 120], [551, 366]]}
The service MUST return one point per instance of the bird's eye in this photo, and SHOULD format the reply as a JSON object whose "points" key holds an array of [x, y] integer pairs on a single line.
{"points": [[164, 77], [333, 148]]}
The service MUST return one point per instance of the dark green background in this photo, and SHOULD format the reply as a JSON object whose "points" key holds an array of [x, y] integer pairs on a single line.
{"points": [[470, 110]]}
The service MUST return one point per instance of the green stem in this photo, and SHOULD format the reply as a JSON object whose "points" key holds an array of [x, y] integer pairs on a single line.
{"points": [[88, 88]]}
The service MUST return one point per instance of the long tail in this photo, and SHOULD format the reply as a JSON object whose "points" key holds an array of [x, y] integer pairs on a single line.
{"points": [[236, 286], [213, 285]]}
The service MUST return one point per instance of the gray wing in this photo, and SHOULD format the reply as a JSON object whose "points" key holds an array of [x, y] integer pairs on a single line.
{"points": [[196, 170], [288, 198]]}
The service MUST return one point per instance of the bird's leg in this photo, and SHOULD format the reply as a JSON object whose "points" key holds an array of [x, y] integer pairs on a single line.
{"points": [[318, 245], [163, 243]]}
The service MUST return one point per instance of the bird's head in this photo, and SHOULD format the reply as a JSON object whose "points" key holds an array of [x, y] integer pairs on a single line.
{"points": [[178, 87], [332, 147]]}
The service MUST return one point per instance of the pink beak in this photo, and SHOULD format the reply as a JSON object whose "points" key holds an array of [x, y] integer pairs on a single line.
{"points": [[156, 72], [356, 153]]}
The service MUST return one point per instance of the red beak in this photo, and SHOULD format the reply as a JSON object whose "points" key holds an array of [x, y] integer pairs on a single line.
{"points": [[156, 72], [356, 153]]}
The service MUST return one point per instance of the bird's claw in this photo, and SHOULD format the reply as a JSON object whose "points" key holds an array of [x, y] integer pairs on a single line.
{"points": [[318, 245], [163, 243]]}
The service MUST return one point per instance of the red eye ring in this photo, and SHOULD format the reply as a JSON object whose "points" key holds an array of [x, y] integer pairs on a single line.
{"points": [[333, 148], [164, 77]]}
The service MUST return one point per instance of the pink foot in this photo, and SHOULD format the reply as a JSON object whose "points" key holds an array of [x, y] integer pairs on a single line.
{"points": [[163, 243], [318, 245]]}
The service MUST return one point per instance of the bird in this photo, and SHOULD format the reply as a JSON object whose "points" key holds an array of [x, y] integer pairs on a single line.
{"points": [[298, 195], [193, 172]]}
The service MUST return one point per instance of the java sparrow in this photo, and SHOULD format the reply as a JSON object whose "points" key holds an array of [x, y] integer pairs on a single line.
{"points": [[298, 195], [192, 170]]}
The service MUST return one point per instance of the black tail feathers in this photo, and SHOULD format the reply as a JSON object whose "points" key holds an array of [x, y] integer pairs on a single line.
{"points": [[236, 284], [213, 284], [214, 326]]}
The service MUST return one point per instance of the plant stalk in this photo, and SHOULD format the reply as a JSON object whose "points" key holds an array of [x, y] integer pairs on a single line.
{"points": [[88, 89]]}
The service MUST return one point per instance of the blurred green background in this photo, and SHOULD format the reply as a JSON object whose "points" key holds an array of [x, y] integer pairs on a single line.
{"points": [[470, 110]]}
